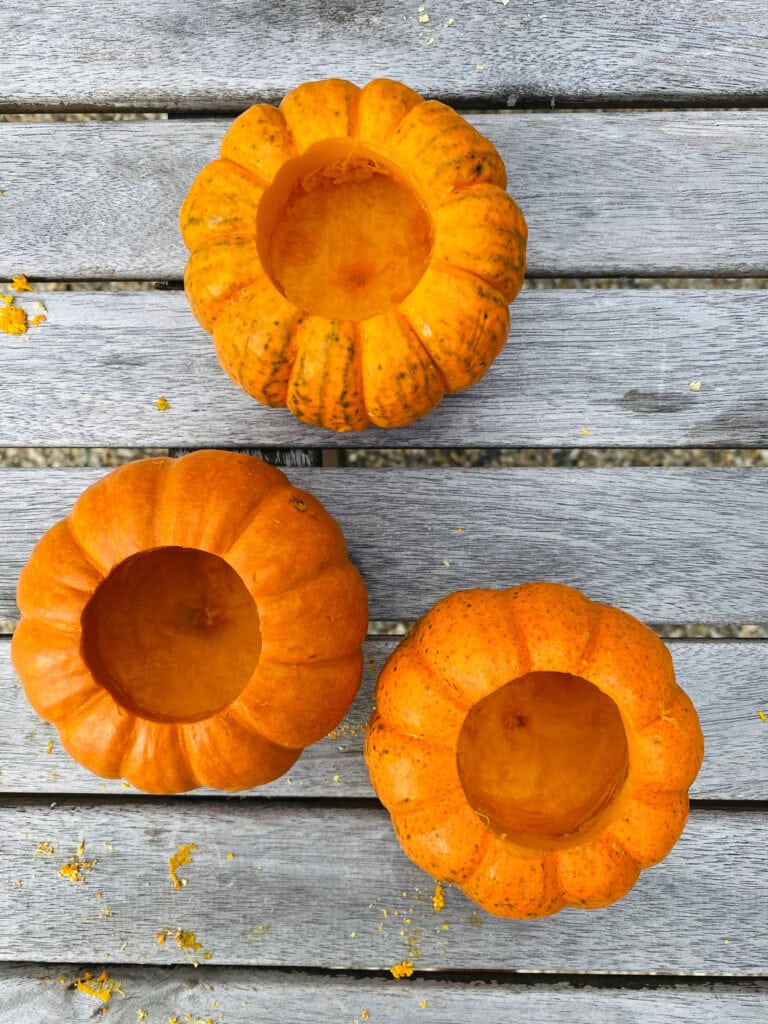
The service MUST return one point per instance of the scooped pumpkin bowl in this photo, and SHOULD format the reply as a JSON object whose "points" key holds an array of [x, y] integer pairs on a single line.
{"points": [[533, 747], [192, 622], [354, 253]]}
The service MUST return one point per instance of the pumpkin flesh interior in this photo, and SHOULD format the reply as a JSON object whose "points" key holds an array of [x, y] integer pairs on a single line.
{"points": [[542, 758], [172, 634], [341, 232]]}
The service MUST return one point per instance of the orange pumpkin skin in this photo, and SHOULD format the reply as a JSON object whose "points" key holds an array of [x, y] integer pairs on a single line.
{"points": [[523, 832], [354, 253], [192, 622]]}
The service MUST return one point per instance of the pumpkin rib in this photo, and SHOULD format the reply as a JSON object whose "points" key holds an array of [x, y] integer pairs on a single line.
{"points": [[118, 534], [596, 875], [328, 357], [245, 485], [470, 329], [316, 544], [242, 758], [326, 689], [398, 705], [290, 623], [56, 582], [314, 111], [425, 834], [375, 126], [49, 662], [230, 195], [219, 272], [261, 314], [401, 382], [152, 743], [259, 140], [446, 152], [409, 326], [99, 735]]}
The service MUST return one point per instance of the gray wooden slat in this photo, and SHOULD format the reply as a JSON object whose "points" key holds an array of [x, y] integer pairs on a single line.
{"points": [[323, 887], [666, 544], [624, 193], [617, 364], [725, 680], [44, 992], [133, 56]]}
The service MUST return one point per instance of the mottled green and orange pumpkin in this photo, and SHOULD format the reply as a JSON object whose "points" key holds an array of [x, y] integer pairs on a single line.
{"points": [[191, 622], [353, 253], [533, 747]]}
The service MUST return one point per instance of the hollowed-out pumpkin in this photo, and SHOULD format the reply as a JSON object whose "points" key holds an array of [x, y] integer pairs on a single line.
{"points": [[533, 747], [192, 622], [353, 253]]}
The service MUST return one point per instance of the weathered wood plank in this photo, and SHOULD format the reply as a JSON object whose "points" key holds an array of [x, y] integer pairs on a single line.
{"points": [[96, 58], [582, 367], [725, 680], [626, 193], [666, 544], [46, 992], [323, 887]]}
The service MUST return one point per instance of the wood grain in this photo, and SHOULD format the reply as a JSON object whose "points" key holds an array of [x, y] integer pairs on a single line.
{"points": [[626, 193], [32, 993], [666, 544], [725, 679], [581, 368], [81, 56], [322, 886]]}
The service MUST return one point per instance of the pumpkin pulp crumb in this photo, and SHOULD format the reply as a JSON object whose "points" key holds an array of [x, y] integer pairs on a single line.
{"points": [[402, 970], [162, 403], [762, 716], [182, 856], [101, 988], [76, 868], [438, 899], [19, 283], [44, 849], [13, 319]]}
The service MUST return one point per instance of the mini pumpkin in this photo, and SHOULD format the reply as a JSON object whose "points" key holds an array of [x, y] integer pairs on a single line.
{"points": [[354, 253], [192, 622], [533, 747]]}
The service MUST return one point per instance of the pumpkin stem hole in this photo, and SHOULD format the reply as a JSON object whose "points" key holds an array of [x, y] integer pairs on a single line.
{"points": [[542, 758], [172, 633], [341, 232]]}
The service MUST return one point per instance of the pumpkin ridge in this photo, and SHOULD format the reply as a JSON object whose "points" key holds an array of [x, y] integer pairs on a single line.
{"points": [[611, 837], [454, 269], [523, 649], [419, 806], [257, 179], [595, 613], [553, 888], [247, 521], [243, 284], [406, 321], [85, 554], [483, 850], [239, 714], [183, 750], [454, 697]]}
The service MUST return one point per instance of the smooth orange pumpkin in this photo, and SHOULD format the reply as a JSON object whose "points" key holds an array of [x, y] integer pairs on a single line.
{"points": [[192, 622], [533, 747], [354, 253]]}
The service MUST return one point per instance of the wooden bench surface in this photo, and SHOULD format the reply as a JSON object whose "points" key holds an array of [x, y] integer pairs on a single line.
{"points": [[635, 141]]}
